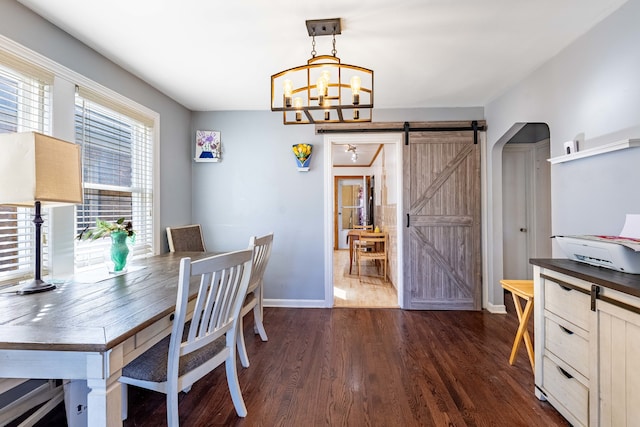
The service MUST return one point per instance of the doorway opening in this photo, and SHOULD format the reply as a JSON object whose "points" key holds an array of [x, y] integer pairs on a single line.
{"points": [[367, 192], [354, 211], [493, 208], [526, 200]]}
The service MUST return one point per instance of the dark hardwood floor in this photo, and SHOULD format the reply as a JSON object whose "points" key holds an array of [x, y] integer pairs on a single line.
{"points": [[365, 367]]}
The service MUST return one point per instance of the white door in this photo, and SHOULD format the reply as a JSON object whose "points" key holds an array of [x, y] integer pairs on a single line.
{"points": [[351, 207], [516, 175], [526, 201]]}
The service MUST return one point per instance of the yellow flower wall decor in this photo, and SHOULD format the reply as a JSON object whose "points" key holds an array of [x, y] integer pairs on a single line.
{"points": [[303, 156]]}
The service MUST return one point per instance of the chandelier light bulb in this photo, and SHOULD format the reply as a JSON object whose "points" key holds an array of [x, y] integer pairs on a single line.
{"points": [[287, 87], [325, 74], [327, 113], [297, 104], [321, 87], [356, 83]]}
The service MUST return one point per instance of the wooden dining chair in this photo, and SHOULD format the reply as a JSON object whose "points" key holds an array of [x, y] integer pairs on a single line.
{"points": [[358, 244], [363, 227], [198, 346], [187, 238], [261, 247], [373, 247]]}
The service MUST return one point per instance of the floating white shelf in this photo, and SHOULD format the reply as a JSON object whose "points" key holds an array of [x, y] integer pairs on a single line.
{"points": [[620, 145]]}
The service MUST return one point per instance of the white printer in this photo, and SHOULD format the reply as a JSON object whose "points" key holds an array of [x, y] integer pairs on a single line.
{"points": [[621, 253]]}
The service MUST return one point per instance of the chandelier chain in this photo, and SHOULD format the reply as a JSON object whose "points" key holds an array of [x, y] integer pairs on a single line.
{"points": [[334, 51], [313, 44]]}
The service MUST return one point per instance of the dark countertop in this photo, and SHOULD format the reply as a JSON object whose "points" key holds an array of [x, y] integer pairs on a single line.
{"points": [[623, 282]]}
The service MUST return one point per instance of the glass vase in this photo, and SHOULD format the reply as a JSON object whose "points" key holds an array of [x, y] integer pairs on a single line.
{"points": [[118, 252]]}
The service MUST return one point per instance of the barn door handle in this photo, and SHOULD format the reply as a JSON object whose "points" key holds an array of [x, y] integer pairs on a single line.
{"points": [[408, 221]]}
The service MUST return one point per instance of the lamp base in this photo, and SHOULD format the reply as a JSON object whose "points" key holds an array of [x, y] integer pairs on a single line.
{"points": [[35, 286]]}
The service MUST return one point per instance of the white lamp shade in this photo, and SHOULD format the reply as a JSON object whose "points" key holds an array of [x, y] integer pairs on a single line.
{"points": [[37, 167]]}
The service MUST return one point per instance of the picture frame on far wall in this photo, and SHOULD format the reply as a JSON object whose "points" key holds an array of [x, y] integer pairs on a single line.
{"points": [[208, 146]]}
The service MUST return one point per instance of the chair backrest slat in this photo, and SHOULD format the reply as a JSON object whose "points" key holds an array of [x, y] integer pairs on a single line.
{"points": [[374, 238], [261, 253], [224, 280]]}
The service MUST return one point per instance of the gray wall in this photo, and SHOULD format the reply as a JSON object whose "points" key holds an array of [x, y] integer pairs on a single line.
{"points": [[23, 26], [256, 189], [590, 88]]}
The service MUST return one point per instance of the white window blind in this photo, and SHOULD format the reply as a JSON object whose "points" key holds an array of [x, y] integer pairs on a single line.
{"points": [[117, 151], [25, 104]]}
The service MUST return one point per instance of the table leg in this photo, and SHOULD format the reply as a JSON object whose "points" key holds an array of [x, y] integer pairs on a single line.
{"points": [[75, 401], [528, 310], [104, 402], [523, 333], [350, 252]]}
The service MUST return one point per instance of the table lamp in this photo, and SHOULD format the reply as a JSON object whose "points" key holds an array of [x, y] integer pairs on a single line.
{"points": [[39, 170]]}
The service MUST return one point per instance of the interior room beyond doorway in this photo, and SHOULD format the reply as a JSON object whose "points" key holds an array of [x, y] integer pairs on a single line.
{"points": [[363, 193]]}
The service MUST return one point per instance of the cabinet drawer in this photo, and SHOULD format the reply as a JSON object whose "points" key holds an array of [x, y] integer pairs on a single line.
{"points": [[563, 388], [567, 342], [567, 303]]}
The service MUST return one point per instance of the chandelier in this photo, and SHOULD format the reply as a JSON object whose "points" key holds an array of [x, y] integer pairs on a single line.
{"points": [[354, 152], [325, 90]]}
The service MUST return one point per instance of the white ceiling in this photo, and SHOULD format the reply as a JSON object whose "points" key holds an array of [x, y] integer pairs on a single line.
{"points": [[213, 55], [366, 154]]}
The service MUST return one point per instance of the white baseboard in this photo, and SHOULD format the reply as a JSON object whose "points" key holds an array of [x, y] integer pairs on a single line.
{"points": [[295, 303], [308, 303], [496, 309]]}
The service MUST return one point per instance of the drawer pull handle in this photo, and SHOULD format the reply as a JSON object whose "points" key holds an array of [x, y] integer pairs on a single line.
{"points": [[565, 373], [565, 330], [564, 288], [172, 316]]}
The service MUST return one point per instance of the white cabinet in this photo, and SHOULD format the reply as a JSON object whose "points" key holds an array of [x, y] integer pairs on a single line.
{"points": [[618, 364], [587, 342], [562, 331]]}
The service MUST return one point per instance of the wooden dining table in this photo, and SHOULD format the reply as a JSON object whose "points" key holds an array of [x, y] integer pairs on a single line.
{"points": [[90, 331]]}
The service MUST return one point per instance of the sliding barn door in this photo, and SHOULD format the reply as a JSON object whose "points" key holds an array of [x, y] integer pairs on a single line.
{"points": [[442, 259]]}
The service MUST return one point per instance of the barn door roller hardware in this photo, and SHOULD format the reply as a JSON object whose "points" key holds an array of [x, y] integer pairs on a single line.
{"points": [[406, 128]]}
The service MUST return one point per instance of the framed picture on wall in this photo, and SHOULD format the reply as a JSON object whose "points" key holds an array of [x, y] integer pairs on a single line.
{"points": [[208, 146]]}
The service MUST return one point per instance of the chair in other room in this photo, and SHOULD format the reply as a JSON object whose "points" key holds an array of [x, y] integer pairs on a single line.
{"points": [[198, 346], [186, 238], [355, 237], [373, 247], [363, 227], [261, 247]]}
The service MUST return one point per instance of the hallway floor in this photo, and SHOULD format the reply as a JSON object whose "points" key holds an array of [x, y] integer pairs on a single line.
{"points": [[366, 291]]}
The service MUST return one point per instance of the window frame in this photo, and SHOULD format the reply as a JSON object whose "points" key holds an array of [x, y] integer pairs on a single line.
{"points": [[62, 111], [28, 94], [106, 136]]}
